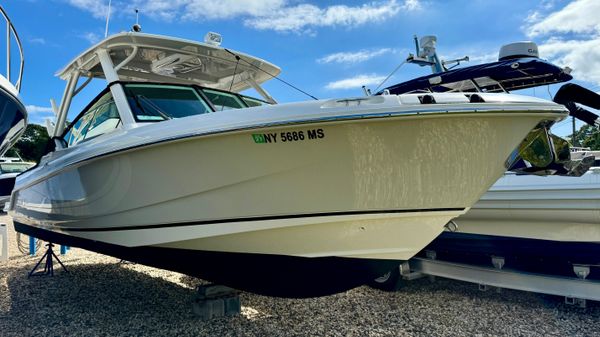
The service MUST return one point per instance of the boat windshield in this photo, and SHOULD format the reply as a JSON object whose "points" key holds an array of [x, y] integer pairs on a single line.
{"points": [[151, 102], [223, 100], [14, 167], [159, 102], [252, 102], [483, 84]]}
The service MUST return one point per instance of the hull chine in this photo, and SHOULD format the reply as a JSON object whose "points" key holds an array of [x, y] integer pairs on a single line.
{"points": [[266, 274]]}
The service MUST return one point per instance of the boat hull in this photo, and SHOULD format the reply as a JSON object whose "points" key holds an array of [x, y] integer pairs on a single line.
{"points": [[367, 193], [7, 183], [270, 275], [13, 118], [539, 224]]}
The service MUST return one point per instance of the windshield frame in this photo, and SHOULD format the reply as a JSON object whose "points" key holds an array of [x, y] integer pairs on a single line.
{"points": [[197, 89]]}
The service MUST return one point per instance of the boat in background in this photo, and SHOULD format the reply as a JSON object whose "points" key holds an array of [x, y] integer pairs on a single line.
{"points": [[10, 168], [531, 222], [518, 67], [13, 115], [296, 200], [537, 224]]}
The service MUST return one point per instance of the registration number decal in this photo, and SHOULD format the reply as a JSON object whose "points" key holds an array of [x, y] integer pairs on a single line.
{"points": [[288, 136]]}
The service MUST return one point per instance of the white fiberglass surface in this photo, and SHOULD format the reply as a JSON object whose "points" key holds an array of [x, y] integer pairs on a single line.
{"points": [[14, 167], [514, 182]]}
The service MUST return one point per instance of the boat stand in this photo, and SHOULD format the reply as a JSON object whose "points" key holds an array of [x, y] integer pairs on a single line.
{"points": [[49, 256], [214, 300], [575, 290]]}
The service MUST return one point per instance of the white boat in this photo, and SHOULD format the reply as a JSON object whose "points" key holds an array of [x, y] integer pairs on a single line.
{"points": [[545, 224], [171, 167], [10, 168], [538, 223], [13, 116]]}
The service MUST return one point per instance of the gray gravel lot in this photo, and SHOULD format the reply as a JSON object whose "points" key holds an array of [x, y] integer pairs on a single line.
{"points": [[100, 297]]}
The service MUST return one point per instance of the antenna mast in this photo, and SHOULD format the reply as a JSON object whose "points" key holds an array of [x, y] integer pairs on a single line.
{"points": [[107, 19]]}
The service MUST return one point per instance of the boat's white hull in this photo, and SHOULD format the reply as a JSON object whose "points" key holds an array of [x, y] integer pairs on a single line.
{"points": [[538, 224], [384, 187], [543, 208], [305, 217]]}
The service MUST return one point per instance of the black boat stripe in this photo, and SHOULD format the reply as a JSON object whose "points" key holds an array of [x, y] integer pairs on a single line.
{"points": [[263, 218]]}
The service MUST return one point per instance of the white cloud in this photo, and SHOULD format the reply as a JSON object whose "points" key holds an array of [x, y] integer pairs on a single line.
{"points": [[583, 56], [355, 82], [200, 10], [412, 5], [484, 58], [37, 40], [571, 37], [580, 16], [32, 109], [225, 9], [547, 4], [38, 114], [277, 15], [91, 37], [305, 16], [353, 57], [98, 8]]}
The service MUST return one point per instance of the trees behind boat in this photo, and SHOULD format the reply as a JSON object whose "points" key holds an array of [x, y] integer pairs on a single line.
{"points": [[32, 145]]}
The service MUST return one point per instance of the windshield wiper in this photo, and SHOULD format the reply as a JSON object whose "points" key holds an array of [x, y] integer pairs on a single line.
{"points": [[153, 106]]}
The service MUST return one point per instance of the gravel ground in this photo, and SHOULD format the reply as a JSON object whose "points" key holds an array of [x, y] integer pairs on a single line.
{"points": [[100, 297]]}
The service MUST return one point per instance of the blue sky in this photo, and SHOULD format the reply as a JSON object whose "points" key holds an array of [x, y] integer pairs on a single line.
{"points": [[327, 48]]}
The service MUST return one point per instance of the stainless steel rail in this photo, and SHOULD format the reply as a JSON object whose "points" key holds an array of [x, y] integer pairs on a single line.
{"points": [[10, 31]]}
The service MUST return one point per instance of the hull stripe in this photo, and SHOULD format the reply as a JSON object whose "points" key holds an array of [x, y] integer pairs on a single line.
{"points": [[262, 218]]}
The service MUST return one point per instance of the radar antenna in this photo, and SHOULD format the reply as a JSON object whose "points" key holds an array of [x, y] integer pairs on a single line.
{"points": [[137, 27]]}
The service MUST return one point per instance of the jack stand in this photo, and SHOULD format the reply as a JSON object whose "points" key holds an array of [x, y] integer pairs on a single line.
{"points": [[498, 263], [216, 301], [582, 271], [432, 255], [48, 265], [581, 302]]}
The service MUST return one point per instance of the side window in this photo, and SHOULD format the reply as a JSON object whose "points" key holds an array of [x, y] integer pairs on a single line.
{"points": [[222, 100], [252, 102], [101, 118]]}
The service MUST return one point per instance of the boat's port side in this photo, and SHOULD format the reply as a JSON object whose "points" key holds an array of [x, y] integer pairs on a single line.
{"points": [[272, 275]]}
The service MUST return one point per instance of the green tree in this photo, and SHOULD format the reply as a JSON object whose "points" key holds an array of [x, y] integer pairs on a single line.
{"points": [[589, 136], [32, 144]]}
